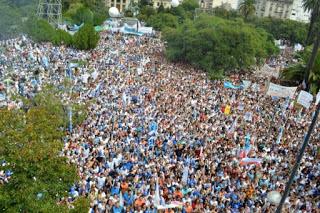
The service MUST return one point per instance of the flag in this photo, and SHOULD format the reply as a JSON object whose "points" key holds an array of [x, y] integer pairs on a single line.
{"points": [[233, 127], [248, 161], [156, 200], [280, 135], [185, 174], [229, 85], [247, 145], [121, 200], [97, 90], [70, 119], [227, 110], [153, 127]]}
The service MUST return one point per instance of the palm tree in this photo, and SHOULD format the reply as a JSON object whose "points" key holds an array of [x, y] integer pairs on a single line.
{"points": [[314, 7], [247, 8], [312, 60]]}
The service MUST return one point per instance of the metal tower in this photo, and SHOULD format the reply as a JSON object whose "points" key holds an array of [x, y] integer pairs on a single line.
{"points": [[51, 11]]}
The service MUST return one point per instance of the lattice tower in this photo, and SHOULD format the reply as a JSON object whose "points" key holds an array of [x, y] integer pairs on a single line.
{"points": [[51, 11]]}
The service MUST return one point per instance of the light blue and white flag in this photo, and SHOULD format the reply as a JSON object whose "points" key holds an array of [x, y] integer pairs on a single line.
{"points": [[280, 135]]}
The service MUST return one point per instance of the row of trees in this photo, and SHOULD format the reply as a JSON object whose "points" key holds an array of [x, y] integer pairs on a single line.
{"points": [[180, 47], [31, 142], [162, 18], [41, 31], [218, 45]]}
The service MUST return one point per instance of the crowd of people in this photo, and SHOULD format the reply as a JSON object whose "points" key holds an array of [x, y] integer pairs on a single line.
{"points": [[161, 135]]}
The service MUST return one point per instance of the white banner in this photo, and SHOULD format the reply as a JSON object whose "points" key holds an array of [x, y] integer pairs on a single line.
{"points": [[318, 98], [281, 91], [305, 99], [246, 84]]}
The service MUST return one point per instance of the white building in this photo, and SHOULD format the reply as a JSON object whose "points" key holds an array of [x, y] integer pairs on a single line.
{"points": [[227, 4], [284, 9], [298, 13]]}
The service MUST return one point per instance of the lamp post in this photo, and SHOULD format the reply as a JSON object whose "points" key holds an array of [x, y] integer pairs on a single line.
{"points": [[299, 157]]}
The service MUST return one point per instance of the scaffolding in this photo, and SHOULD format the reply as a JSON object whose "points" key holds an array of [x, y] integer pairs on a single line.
{"points": [[51, 11]]}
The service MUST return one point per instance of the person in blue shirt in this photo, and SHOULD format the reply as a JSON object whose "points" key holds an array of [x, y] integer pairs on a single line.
{"points": [[117, 208], [128, 198], [115, 190]]}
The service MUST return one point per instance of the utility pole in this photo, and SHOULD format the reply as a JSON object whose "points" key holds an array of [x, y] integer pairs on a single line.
{"points": [[298, 161]]}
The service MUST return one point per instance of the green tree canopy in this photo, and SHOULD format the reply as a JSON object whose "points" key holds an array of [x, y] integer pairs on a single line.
{"points": [[216, 44], [40, 30], [31, 143], [86, 38], [163, 20], [293, 31], [247, 8]]}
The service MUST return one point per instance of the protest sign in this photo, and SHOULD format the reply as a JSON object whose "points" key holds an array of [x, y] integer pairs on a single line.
{"points": [[305, 99], [281, 91]]}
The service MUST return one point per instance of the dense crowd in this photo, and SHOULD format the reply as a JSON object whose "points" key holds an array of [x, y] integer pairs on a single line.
{"points": [[162, 135]]}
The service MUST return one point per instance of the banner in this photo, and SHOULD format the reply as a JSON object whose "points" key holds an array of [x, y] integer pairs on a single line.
{"points": [[305, 99], [281, 91]]}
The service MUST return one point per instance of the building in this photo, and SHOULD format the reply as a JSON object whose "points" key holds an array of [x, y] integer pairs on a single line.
{"points": [[120, 4], [227, 4], [284, 9], [166, 3], [274, 8], [298, 13]]}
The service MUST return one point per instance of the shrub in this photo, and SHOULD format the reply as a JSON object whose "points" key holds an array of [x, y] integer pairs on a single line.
{"points": [[40, 30], [62, 38], [86, 38]]}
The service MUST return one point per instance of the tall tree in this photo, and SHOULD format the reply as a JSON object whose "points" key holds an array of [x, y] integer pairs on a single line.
{"points": [[247, 8], [314, 7], [30, 145], [312, 60]]}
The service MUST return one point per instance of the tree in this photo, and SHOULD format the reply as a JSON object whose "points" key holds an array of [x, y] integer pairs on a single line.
{"points": [[217, 45], [289, 30], [62, 38], [86, 38], [40, 30], [314, 7], [161, 8], [30, 144], [146, 12], [162, 20], [297, 72], [311, 61], [190, 5], [83, 15], [247, 8]]}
